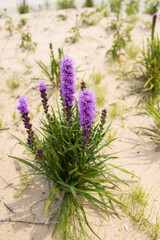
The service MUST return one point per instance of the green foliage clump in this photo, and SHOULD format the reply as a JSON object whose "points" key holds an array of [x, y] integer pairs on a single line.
{"points": [[62, 17], [113, 25], [116, 7], [88, 3], [75, 33], [22, 22], [26, 42], [13, 82], [149, 63], [150, 67], [64, 4], [103, 8], [135, 202], [132, 51], [120, 42], [151, 6], [153, 112], [132, 7], [77, 173], [52, 72], [23, 8], [91, 18]]}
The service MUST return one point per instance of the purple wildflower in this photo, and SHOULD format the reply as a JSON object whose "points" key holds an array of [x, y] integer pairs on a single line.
{"points": [[23, 104], [42, 89], [42, 86], [87, 113], [153, 25], [155, 16], [22, 108], [24, 2], [67, 85]]}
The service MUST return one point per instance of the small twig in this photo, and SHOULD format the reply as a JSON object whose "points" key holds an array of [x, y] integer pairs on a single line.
{"points": [[23, 221], [10, 184], [9, 208], [3, 129]]}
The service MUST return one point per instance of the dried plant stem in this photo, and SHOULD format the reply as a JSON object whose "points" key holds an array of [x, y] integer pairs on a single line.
{"points": [[23, 221]]}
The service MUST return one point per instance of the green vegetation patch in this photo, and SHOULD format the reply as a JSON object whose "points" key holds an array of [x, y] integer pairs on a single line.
{"points": [[141, 207]]}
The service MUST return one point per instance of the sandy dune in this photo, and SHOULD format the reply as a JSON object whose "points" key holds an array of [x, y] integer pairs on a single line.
{"points": [[89, 53]]}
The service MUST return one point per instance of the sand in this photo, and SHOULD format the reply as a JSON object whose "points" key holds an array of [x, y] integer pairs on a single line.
{"points": [[89, 54]]}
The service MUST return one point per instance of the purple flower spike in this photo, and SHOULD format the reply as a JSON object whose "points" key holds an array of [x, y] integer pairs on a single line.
{"points": [[87, 102], [42, 86], [67, 85], [155, 16], [153, 26], [40, 154], [23, 104], [42, 89], [87, 108], [103, 119], [22, 108]]}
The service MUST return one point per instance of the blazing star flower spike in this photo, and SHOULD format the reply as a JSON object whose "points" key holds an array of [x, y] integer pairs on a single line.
{"points": [[153, 25], [103, 119], [68, 89], [42, 86], [23, 105], [42, 89], [23, 110], [87, 104]]}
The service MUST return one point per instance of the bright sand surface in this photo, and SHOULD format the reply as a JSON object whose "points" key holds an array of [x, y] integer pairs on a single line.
{"points": [[11, 5], [88, 54]]}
